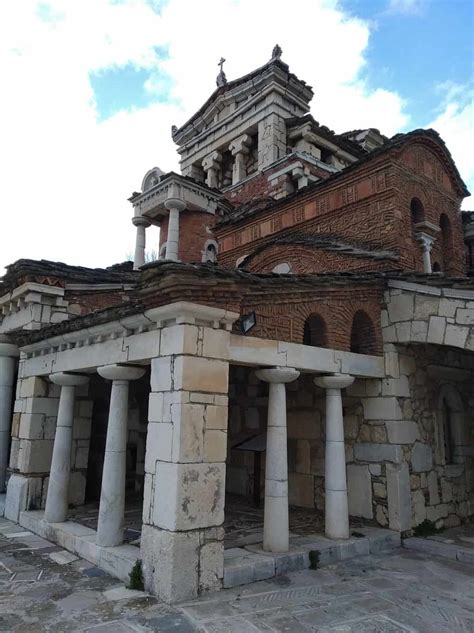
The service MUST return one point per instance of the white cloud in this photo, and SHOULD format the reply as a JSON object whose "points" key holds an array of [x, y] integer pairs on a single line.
{"points": [[407, 7], [67, 174], [455, 125]]}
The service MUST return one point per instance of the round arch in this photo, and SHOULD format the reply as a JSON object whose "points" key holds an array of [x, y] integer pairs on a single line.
{"points": [[363, 339]]}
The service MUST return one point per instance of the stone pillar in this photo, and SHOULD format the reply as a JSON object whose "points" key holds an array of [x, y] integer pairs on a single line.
{"points": [[426, 242], [172, 241], [140, 244], [58, 487], [271, 140], [8, 358], [337, 511], [239, 148], [211, 165], [182, 543], [276, 520], [112, 494]]}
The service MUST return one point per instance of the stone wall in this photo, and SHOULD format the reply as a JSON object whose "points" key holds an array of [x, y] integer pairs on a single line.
{"points": [[33, 430]]}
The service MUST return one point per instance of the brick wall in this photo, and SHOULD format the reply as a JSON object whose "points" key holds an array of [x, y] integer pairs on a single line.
{"points": [[195, 229]]}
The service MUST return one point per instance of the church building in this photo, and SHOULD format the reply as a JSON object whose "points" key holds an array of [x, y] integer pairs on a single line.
{"points": [[294, 374]]}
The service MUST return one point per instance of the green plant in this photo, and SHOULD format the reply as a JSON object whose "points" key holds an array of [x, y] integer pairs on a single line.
{"points": [[136, 577], [426, 528], [314, 555]]}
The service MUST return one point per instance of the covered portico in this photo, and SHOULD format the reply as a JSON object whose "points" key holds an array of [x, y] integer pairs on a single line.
{"points": [[189, 348]]}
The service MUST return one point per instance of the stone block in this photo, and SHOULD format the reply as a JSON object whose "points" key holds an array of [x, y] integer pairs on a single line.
{"points": [[465, 317], [421, 458], [436, 330], [215, 343], [419, 508], [401, 308], [396, 387], [448, 307], [200, 374], [31, 426], [425, 306], [375, 469], [188, 432], [179, 339], [398, 496], [48, 406], [381, 408], [241, 571], [188, 496], [352, 548], [304, 424], [77, 488], [159, 442], [378, 453], [14, 453], [465, 555], [216, 417], [33, 387], [359, 491], [435, 548], [403, 331], [35, 456], [456, 335], [17, 496], [215, 446], [155, 407], [161, 370], [392, 364], [419, 331], [170, 563], [301, 490], [82, 428], [211, 566], [402, 431]]}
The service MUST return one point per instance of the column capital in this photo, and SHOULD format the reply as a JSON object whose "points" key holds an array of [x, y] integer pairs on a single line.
{"points": [[8, 349], [335, 381], [139, 220], [277, 374], [68, 380], [175, 204], [240, 145], [426, 241], [121, 372], [211, 161]]}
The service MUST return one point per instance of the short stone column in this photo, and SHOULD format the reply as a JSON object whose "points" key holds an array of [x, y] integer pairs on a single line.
{"points": [[426, 242], [112, 494], [337, 509], [211, 166], [8, 358], [58, 487], [175, 206], [239, 149], [276, 519], [140, 243]]}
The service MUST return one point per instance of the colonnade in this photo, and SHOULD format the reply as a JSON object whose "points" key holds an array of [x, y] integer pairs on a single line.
{"points": [[112, 496]]}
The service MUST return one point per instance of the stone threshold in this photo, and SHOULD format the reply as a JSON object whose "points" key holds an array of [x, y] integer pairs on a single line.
{"points": [[439, 547], [243, 565], [80, 540]]}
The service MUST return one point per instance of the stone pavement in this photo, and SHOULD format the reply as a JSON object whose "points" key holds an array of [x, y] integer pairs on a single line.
{"points": [[43, 588]]}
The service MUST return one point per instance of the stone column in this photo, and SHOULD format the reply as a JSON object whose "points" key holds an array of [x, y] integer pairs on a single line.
{"points": [[337, 511], [426, 242], [211, 165], [239, 148], [140, 244], [276, 520], [58, 487], [172, 241], [8, 358], [112, 494]]}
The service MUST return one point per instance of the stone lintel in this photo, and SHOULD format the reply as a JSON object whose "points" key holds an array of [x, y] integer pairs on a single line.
{"points": [[192, 313]]}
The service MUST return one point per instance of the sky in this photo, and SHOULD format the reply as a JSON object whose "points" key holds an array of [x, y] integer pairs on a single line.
{"points": [[91, 89]]}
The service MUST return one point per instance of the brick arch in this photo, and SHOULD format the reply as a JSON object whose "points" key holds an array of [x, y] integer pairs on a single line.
{"points": [[315, 331], [363, 338]]}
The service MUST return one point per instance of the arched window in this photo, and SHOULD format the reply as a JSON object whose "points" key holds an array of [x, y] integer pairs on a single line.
{"points": [[362, 334], [210, 252], [315, 331], [436, 268], [417, 211]]}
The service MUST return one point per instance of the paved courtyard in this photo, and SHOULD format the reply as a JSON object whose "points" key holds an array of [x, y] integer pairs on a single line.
{"points": [[44, 588]]}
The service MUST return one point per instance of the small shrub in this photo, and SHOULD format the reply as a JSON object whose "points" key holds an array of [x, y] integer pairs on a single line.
{"points": [[426, 528], [314, 555], [136, 577]]}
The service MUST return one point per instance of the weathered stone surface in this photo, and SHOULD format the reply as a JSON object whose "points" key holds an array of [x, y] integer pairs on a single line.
{"points": [[433, 488], [421, 457], [381, 408], [399, 497], [301, 490], [456, 335], [436, 330], [402, 431], [378, 453], [401, 308], [359, 491]]}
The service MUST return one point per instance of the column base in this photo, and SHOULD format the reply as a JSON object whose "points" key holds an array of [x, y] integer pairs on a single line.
{"points": [[181, 565], [337, 514], [23, 493]]}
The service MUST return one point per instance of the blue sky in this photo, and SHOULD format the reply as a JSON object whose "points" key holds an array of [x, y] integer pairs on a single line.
{"points": [[97, 85]]}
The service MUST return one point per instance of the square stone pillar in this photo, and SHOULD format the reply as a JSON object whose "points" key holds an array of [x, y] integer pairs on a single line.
{"points": [[182, 545], [271, 140]]}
